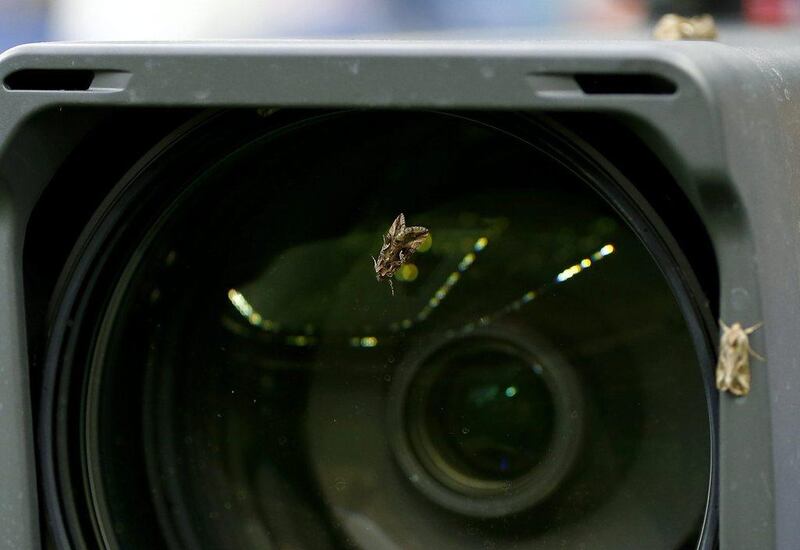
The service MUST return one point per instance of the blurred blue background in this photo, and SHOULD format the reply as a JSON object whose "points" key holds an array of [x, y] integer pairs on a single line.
{"points": [[22, 21], [36, 20]]}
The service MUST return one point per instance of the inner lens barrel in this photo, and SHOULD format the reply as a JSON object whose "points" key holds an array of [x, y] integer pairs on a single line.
{"points": [[483, 415], [488, 424]]}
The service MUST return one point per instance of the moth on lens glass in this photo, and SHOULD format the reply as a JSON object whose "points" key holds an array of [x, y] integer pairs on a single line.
{"points": [[399, 244]]}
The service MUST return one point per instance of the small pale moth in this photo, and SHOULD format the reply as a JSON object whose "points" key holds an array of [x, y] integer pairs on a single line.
{"points": [[733, 367], [399, 244]]}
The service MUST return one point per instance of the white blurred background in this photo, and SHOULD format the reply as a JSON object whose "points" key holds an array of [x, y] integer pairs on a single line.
{"points": [[36, 20]]}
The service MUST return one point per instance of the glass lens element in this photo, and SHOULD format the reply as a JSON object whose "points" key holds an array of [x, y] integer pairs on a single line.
{"points": [[531, 383], [489, 413]]}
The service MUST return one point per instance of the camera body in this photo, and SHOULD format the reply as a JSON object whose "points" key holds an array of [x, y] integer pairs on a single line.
{"points": [[722, 123]]}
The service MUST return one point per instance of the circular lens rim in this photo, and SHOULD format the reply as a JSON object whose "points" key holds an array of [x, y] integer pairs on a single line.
{"points": [[489, 499], [434, 386], [88, 268]]}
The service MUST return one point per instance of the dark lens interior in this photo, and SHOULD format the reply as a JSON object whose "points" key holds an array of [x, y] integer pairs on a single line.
{"points": [[533, 382], [483, 411]]}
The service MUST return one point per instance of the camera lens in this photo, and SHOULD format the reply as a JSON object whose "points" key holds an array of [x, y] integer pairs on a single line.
{"points": [[485, 416], [233, 376], [489, 424]]}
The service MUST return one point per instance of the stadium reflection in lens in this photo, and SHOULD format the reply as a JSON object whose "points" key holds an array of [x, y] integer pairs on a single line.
{"points": [[533, 383]]}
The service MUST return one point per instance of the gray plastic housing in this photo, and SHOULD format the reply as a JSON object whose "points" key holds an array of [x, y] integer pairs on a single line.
{"points": [[730, 136]]}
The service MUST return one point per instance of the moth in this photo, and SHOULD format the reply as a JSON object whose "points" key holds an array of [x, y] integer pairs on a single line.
{"points": [[733, 367], [399, 244], [675, 27]]}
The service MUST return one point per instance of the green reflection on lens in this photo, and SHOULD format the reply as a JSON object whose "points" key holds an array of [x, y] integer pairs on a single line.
{"points": [[488, 414]]}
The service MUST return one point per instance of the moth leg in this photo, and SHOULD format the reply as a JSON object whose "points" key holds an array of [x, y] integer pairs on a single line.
{"points": [[751, 330], [391, 285], [723, 325], [374, 263]]}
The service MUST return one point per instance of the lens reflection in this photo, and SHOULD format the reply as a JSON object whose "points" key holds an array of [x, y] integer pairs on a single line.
{"points": [[510, 394], [482, 413]]}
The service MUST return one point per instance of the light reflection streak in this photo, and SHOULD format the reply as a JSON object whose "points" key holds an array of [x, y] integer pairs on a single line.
{"points": [[253, 317], [240, 302], [295, 340], [530, 295], [300, 340], [452, 279], [364, 341]]}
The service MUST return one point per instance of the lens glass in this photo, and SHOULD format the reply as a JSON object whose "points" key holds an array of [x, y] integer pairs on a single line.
{"points": [[532, 381], [485, 412]]}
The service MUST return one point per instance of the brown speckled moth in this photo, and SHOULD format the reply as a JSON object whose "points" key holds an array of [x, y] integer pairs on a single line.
{"points": [[399, 244], [733, 367]]}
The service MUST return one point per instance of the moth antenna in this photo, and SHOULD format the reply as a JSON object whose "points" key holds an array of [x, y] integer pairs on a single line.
{"points": [[723, 325], [754, 328]]}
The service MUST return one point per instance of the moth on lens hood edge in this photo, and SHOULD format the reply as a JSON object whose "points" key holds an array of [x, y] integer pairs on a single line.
{"points": [[733, 366]]}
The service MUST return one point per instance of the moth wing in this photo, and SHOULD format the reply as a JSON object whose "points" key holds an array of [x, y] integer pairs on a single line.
{"points": [[387, 243], [751, 330], [397, 227], [741, 376], [721, 383], [726, 365], [414, 236]]}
